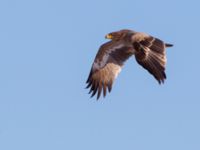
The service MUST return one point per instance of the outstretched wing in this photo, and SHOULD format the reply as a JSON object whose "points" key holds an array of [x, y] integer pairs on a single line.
{"points": [[106, 67], [150, 54]]}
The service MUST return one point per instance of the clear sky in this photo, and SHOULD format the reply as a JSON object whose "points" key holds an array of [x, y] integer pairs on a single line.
{"points": [[46, 52]]}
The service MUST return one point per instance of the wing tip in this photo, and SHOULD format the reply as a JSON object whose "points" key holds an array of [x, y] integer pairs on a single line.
{"points": [[98, 89], [162, 80]]}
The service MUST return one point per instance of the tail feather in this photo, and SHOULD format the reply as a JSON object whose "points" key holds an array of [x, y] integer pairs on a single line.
{"points": [[168, 45]]}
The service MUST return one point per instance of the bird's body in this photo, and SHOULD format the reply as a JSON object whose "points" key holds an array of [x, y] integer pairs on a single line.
{"points": [[149, 53]]}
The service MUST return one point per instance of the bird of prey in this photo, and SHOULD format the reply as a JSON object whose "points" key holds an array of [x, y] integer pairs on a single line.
{"points": [[149, 53]]}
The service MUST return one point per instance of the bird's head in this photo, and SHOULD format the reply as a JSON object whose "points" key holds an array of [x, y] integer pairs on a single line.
{"points": [[118, 35]]}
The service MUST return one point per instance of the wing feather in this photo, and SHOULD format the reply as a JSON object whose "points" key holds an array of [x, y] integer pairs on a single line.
{"points": [[106, 67], [150, 54]]}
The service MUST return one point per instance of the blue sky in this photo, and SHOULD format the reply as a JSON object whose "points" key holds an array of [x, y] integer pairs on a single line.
{"points": [[46, 51]]}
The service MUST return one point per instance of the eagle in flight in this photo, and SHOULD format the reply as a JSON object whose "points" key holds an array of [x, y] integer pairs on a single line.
{"points": [[149, 53]]}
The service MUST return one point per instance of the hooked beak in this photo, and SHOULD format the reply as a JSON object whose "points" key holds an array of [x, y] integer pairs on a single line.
{"points": [[108, 36]]}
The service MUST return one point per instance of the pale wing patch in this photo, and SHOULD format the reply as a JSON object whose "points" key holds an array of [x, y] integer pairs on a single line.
{"points": [[139, 37], [98, 64], [108, 73], [114, 69], [161, 57], [103, 79]]}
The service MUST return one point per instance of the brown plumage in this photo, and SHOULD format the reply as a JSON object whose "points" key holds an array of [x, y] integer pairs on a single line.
{"points": [[149, 53]]}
